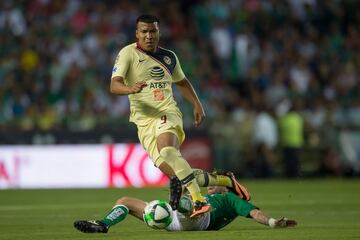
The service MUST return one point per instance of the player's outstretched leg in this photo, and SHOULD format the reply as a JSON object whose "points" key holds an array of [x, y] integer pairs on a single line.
{"points": [[237, 188], [225, 179], [117, 214], [92, 226], [176, 190], [201, 205], [172, 157]]}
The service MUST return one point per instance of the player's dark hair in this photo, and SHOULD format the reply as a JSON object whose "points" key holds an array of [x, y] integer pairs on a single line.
{"points": [[147, 18]]}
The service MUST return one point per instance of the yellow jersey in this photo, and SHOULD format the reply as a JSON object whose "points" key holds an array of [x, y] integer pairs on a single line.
{"points": [[159, 70]]}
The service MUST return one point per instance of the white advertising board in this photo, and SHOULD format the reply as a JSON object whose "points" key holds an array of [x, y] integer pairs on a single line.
{"points": [[77, 166]]}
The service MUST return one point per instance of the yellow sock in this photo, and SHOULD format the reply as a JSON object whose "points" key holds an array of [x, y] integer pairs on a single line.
{"points": [[183, 171], [196, 196], [222, 180], [205, 179]]}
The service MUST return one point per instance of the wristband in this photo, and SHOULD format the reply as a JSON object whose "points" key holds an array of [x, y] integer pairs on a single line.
{"points": [[272, 222]]}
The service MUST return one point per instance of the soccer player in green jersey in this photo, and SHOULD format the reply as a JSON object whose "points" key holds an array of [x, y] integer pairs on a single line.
{"points": [[145, 72], [226, 206]]}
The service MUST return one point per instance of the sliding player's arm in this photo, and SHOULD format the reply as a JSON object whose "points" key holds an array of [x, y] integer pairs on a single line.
{"points": [[262, 218]]}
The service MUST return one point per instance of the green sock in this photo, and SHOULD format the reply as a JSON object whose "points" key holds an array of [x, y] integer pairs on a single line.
{"points": [[116, 215]]}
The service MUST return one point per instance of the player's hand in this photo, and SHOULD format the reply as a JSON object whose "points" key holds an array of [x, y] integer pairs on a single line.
{"points": [[137, 87], [284, 222], [199, 114]]}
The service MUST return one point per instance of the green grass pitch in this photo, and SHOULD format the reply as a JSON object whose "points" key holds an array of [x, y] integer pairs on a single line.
{"points": [[325, 209]]}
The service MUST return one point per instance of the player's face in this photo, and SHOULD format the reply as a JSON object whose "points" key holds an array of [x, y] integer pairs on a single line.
{"points": [[216, 189], [148, 35]]}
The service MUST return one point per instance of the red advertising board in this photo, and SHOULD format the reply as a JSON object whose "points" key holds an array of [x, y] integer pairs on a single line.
{"points": [[197, 152]]}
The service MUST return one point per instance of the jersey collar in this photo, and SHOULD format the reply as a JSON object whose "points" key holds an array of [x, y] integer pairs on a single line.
{"points": [[147, 52]]}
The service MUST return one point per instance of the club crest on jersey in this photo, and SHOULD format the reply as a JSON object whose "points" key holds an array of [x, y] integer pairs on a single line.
{"points": [[157, 73], [167, 60]]}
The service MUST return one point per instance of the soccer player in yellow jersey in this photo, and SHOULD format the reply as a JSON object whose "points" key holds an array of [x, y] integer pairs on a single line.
{"points": [[145, 72]]}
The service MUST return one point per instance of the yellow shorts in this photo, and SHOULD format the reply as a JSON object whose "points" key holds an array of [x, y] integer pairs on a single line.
{"points": [[169, 122]]}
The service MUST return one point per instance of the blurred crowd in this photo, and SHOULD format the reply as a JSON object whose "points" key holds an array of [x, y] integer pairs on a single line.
{"points": [[270, 72]]}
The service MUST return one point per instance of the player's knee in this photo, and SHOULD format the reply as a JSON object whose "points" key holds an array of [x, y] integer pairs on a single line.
{"points": [[170, 153], [180, 166], [122, 200], [171, 156]]}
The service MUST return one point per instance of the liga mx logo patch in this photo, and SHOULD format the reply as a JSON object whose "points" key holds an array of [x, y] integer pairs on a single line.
{"points": [[157, 73]]}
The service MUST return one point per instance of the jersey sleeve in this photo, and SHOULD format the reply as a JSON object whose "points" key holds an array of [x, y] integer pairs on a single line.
{"points": [[178, 73], [122, 63], [241, 207]]}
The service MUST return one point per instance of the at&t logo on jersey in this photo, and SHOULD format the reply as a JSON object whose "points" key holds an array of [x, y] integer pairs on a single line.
{"points": [[157, 73]]}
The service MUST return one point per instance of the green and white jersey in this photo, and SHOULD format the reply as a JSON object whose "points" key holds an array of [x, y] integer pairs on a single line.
{"points": [[225, 208], [181, 222], [160, 70]]}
